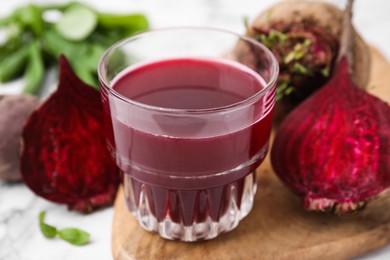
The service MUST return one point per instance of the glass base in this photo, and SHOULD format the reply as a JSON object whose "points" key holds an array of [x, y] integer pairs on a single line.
{"points": [[190, 215]]}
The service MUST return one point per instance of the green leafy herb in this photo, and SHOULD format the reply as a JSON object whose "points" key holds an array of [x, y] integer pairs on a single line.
{"points": [[283, 89], [325, 72], [47, 230], [289, 90], [32, 43], [297, 52], [74, 236], [280, 37], [274, 37], [307, 43], [299, 68]]}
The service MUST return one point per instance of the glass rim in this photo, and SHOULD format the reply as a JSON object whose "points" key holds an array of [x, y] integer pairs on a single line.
{"points": [[242, 103]]}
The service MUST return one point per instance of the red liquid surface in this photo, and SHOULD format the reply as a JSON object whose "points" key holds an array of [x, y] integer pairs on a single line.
{"points": [[177, 162]]}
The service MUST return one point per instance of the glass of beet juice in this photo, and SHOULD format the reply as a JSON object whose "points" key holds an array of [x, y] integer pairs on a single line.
{"points": [[188, 116]]}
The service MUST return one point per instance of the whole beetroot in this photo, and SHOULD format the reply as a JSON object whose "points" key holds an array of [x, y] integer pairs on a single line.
{"points": [[317, 22], [305, 38], [15, 109]]}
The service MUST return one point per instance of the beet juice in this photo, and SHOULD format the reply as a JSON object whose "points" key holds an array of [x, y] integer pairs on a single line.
{"points": [[187, 147]]}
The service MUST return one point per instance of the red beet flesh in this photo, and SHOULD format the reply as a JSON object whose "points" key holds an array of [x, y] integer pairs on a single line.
{"points": [[65, 158], [334, 148]]}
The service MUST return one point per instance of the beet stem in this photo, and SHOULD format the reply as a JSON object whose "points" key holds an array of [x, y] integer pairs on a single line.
{"points": [[347, 45]]}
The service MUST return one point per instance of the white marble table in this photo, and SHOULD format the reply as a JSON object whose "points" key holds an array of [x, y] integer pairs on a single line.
{"points": [[20, 238]]}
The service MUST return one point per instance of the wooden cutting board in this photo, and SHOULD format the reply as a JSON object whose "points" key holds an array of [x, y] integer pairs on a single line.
{"points": [[277, 227]]}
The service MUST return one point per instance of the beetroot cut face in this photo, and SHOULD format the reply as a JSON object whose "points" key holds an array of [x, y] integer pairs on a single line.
{"points": [[334, 148], [64, 157]]}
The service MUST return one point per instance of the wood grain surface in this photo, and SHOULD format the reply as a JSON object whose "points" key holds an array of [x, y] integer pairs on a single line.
{"points": [[277, 227]]}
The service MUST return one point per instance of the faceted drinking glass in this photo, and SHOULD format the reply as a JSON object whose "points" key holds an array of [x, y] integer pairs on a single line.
{"points": [[188, 115]]}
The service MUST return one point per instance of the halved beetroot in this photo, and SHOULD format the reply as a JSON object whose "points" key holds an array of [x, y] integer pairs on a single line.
{"points": [[64, 156]]}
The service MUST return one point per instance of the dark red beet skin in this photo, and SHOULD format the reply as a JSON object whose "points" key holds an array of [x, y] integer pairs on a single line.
{"points": [[64, 157], [334, 148]]}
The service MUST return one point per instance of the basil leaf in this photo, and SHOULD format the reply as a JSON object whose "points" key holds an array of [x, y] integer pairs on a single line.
{"points": [[47, 230], [74, 236]]}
